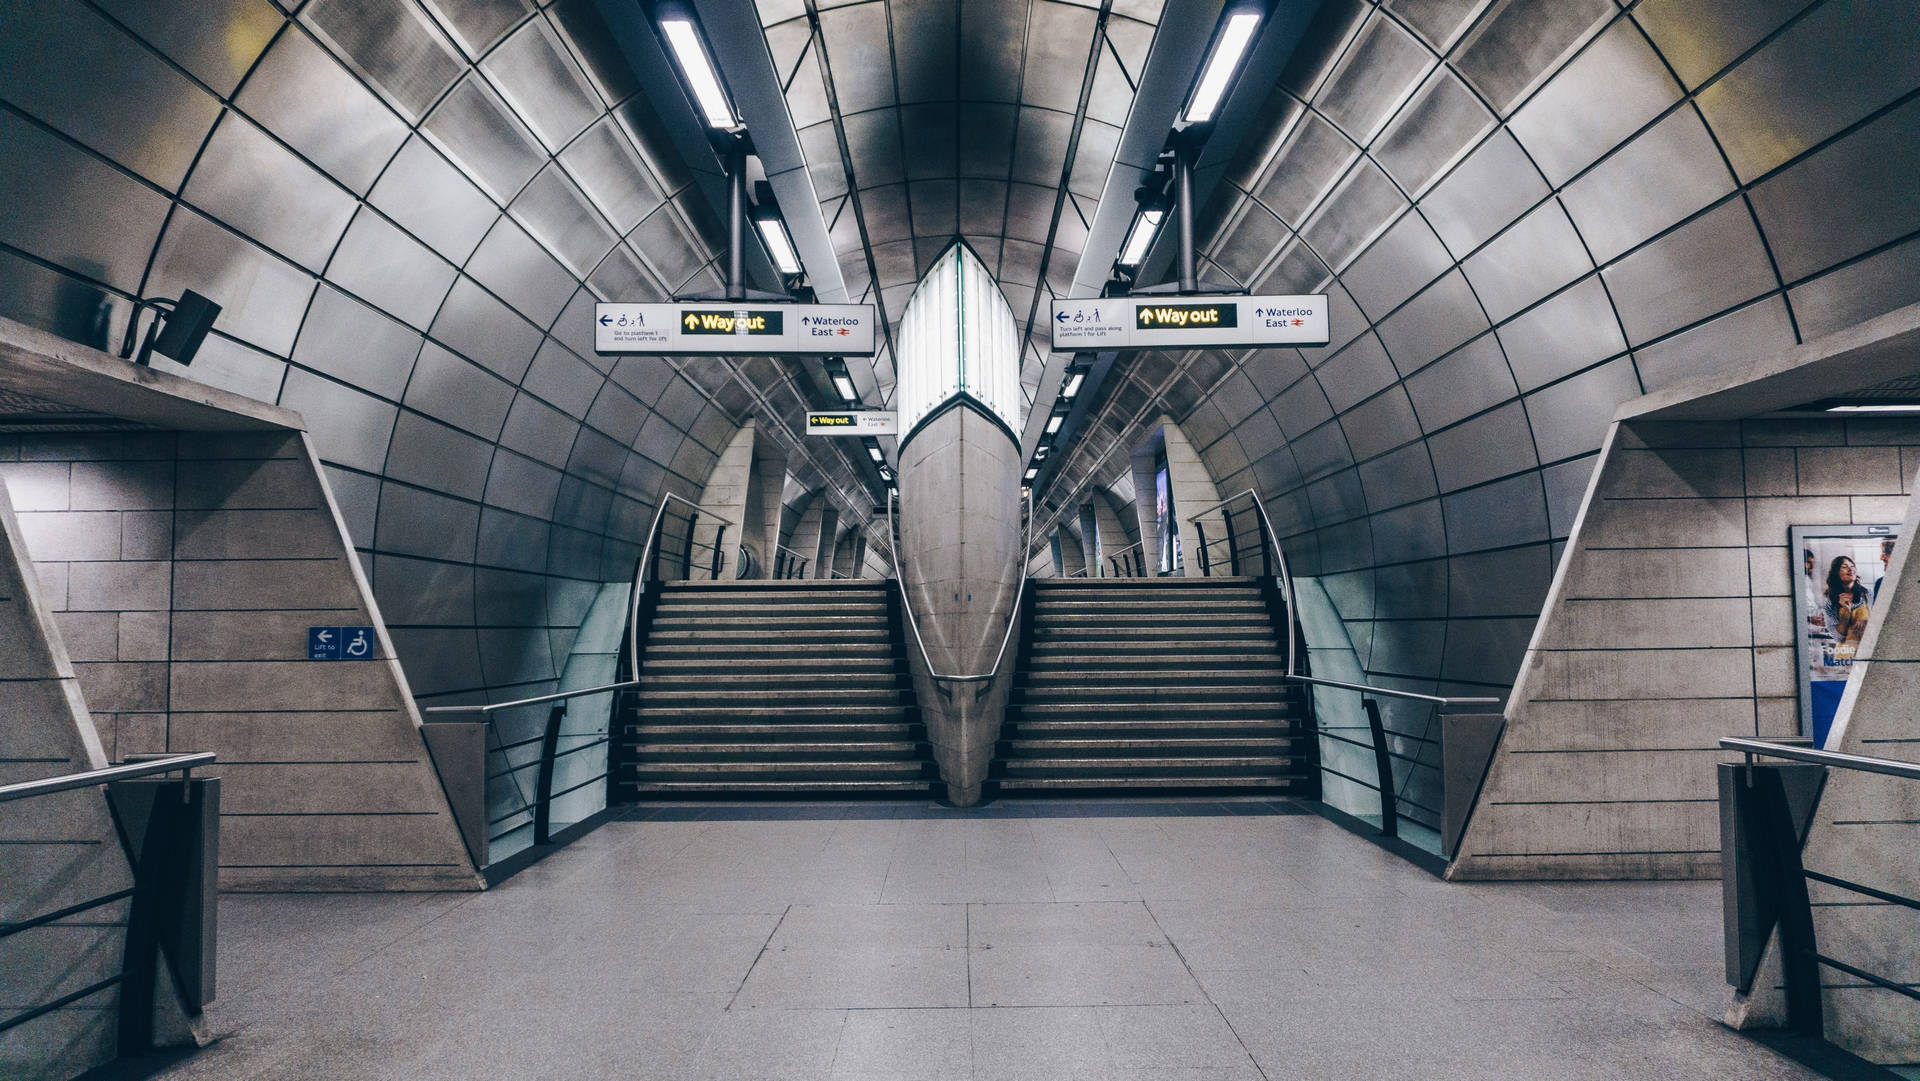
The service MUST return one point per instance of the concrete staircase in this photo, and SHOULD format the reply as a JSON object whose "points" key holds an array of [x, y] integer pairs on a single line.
{"points": [[1158, 684], [781, 688]]}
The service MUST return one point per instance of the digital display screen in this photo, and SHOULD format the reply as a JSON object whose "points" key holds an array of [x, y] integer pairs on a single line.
{"points": [[1186, 316]]}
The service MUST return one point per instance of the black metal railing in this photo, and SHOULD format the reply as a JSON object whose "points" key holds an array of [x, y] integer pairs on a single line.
{"points": [[157, 877], [1240, 541], [1419, 791], [676, 552], [789, 564], [1758, 803], [1129, 562]]}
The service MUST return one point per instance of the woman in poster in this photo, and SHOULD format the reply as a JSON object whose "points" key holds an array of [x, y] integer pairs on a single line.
{"points": [[1847, 607]]}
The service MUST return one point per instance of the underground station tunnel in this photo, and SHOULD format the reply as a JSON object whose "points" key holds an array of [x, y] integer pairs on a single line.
{"points": [[932, 540]]}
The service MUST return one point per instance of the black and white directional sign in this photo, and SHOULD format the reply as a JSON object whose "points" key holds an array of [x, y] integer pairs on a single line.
{"points": [[841, 330], [854, 422], [1187, 322]]}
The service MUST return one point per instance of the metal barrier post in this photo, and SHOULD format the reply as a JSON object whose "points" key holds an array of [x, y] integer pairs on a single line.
{"points": [[686, 552], [1383, 766], [1233, 547], [719, 547], [543, 792], [1774, 846], [1200, 542]]}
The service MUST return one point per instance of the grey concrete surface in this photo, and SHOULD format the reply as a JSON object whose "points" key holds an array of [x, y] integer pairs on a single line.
{"points": [[1192, 942]]}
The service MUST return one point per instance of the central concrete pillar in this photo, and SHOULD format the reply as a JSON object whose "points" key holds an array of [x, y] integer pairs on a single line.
{"points": [[961, 561]]}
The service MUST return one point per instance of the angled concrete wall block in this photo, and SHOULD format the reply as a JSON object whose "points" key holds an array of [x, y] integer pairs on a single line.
{"points": [[725, 499], [1669, 625], [61, 850]]}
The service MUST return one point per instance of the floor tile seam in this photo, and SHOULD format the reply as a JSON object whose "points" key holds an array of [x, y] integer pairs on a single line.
{"points": [[375, 951], [735, 997], [1204, 993]]}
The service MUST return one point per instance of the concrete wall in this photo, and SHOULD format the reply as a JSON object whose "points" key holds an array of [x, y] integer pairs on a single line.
{"points": [[806, 536], [1073, 557], [60, 850], [726, 494], [1669, 624], [1114, 538], [184, 570], [1193, 488], [960, 540], [1867, 828]]}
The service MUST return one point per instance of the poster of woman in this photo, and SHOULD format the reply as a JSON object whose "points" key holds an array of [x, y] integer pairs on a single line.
{"points": [[1841, 568]]}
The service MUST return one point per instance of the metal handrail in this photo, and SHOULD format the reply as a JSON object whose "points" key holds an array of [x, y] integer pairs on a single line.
{"points": [[1890, 767], [50, 785], [1386, 692], [1279, 557], [646, 561], [1122, 551], [535, 701], [906, 599]]}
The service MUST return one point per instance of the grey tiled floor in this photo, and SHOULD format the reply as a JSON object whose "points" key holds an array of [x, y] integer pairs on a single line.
{"points": [[1164, 948]]}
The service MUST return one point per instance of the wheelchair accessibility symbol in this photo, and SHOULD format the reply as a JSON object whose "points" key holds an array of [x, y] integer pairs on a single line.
{"points": [[340, 643]]}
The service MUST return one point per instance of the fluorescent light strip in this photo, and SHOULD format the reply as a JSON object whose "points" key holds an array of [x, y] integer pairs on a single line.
{"points": [[1073, 384], [1144, 228], [874, 453], [1221, 66], [706, 83], [1909, 407], [779, 246], [1054, 422], [844, 386], [1032, 473]]}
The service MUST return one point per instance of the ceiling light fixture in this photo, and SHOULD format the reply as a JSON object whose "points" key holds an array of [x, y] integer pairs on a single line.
{"points": [[698, 69], [1073, 384], [1224, 61], [875, 454], [1889, 407], [1054, 422], [843, 385], [1146, 225], [1032, 473], [773, 232]]}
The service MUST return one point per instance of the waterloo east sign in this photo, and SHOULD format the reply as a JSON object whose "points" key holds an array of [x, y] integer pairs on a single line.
{"points": [[840, 330], [1187, 322]]}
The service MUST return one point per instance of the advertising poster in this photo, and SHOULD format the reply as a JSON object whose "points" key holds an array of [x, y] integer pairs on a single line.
{"points": [[1838, 571], [1168, 527]]}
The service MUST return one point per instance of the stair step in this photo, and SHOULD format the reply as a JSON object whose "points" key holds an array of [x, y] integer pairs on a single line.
{"points": [[1127, 726], [707, 634], [824, 606], [764, 787], [795, 769], [683, 665], [817, 730], [653, 750], [1209, 782], [1094, 746], [1156, 694], [762, 679]]}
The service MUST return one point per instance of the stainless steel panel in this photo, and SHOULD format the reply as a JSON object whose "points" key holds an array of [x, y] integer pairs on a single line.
{"points": [[1822, 73], [618, 414], [1380, 424], [1326, 38], [1356, 373], [390, 43], [1612, 89], [991, 34], [1538, 255], [1437, 320], [1510, 583], [821, 147], [1706, 266], [1519, 42], [596, 49], [986, 140], [62, 63], [348, 427], [555, 211], [434, 201], [509, 263], [1235, 397], [72, 209], [564, 380], [537, 77], [1571, 418], [1360, 208], [885, 213], [935, 206], [923, 37], [574, 330], [416, 522], [1700, 37], [1245, 246], [302, 94], [611, 173], [895, 264], [1756, 330], [1375, 76], [621, 278], [477, 325], [1563, 335], [262, 297], [649, 134], [1405, 258], [1842, 201], [928, 131], [1667, 173], [432, 455], [1397, 478], [1040, 149], [1510, 513], [1338, 498], [1494, 186], [1488, 446], [860, 55], [1093, 159], [481, 134], [807, 92], [1415, 531], [384, 266], [1566, 486], [215, 40], [1297, 270], [1439, 21], [356, 344], [1320, 451], [231, 366], [1059, 39], [983, 209], [1030, 212], [1471, 378], [1858, 291], [1112, 96], [420, 591], [257, 186], [477, 24], [448, 387], [1436, 128]]}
